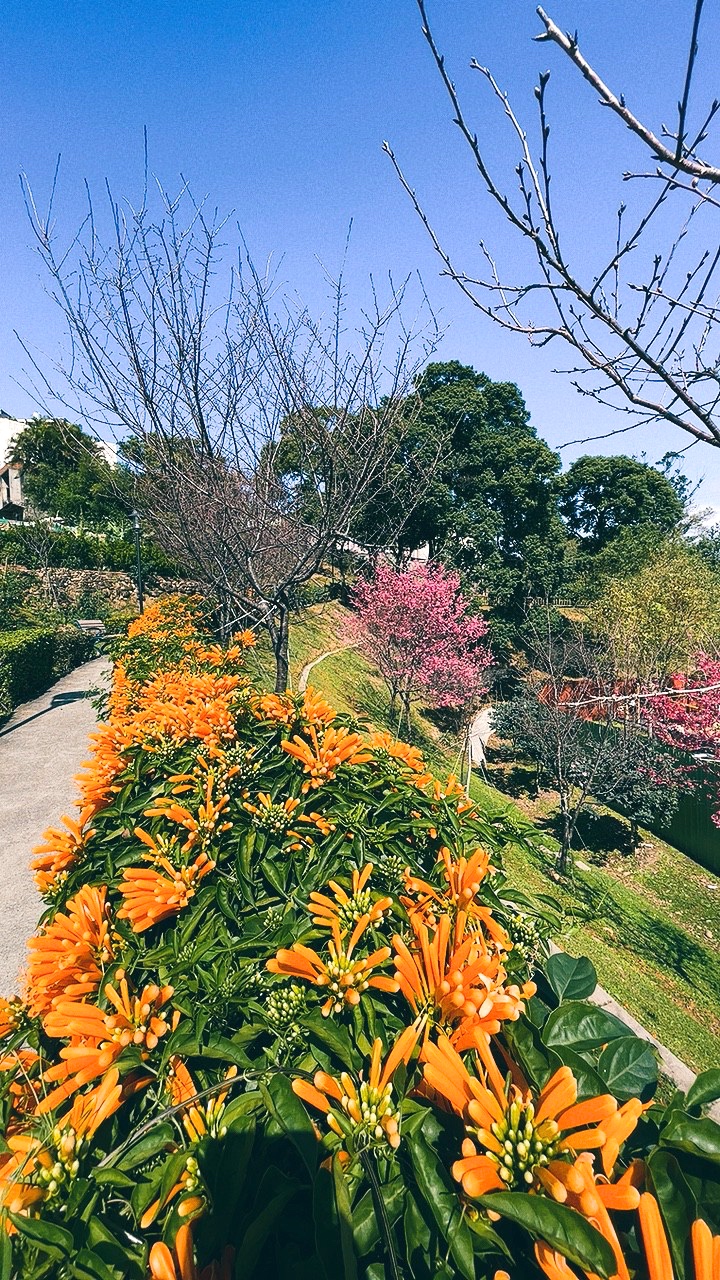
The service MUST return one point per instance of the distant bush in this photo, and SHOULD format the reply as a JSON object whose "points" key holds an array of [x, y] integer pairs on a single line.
{"points": [[67, 549], [32, 657]]}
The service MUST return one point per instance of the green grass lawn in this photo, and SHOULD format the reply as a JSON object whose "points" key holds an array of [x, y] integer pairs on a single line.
{"points": [[650, 922]]}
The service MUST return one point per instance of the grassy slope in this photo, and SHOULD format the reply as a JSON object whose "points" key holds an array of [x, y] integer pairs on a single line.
{"points": [[649, 924]]}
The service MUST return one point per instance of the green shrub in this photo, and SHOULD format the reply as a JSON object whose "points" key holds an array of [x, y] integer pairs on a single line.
{"points": [[32, 657]]}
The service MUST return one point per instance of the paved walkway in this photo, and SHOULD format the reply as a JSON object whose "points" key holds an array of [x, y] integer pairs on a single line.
{"points": [[41, 749]]}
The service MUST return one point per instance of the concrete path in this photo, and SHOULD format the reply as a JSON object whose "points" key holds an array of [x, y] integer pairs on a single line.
{"points": [[41, 749], [481, 731], [305, 673]]}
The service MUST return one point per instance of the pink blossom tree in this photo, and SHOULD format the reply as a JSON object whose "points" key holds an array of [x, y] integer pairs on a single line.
{"points": [[689, 721], [416, 626]]}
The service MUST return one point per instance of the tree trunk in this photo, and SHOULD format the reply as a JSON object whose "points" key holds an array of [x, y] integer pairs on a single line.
{"points": [[566, 833], [280, 643]]}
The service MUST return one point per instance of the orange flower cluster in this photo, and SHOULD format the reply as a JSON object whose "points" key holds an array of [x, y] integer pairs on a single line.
{"points": [[385, 746], [60, 850], [457, 985], [149, 896], [345, 977], [362, 1112], [464, 879], [322, 756], [98, 1037], [69, 956]]}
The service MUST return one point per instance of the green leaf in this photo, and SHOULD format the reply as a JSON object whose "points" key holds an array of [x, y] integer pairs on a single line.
{"points": [[442, 1200], [160, 1138], [263, 1223], [288, 1110], [562, 1228], [88, 1266], [629, 1067], [345, 1217], [580, 1025], [528, 1049], [696, 1137], [589, 1083], [366, 1229], [678, 1205], [571, 977], [705, 1089], [329, 1035], [6, 1258], [48, 1236]]}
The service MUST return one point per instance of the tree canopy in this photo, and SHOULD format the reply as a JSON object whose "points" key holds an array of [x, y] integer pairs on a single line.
{"points": [[601, 497], [64, 472]]}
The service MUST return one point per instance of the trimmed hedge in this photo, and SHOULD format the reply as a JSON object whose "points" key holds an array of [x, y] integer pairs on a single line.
{"points": [[31, 658]]}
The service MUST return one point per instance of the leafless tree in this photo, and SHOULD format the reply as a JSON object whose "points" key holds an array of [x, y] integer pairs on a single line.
{"points": [[257, 434], [641, 321]]}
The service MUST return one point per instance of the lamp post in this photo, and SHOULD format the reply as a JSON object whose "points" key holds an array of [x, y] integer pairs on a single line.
{"points": [[138, 565]]}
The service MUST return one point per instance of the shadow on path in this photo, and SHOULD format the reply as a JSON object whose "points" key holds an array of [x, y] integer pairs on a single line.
{"points": [[60, 700]]}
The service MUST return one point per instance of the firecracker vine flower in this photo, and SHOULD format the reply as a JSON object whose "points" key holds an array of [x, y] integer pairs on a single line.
{"points": [[49, 1163], [150, 896], [202, 1117], [463, 987], [322, 756], [464, 878], [201, 826], [592, 1196], [400, 754], [179, 1263], [516, 1141], [68, 956], [61, 849], [361, 1111], [98, 1036], [345, 977], [345, 909]]}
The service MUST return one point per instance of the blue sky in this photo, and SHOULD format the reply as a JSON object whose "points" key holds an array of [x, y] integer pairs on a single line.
{"points": [[278, 110]]}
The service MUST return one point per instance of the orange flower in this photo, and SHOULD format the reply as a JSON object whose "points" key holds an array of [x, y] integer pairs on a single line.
{"points": [[321, 757], [12, 1013], [464, 878], [384, 745], [98, 1037], [345, 977], [97, 779], [68, 956], [347, 909], [203, 825], [464, 986], [180, 1263], [362, 1112], [314, 709], [200, 1118], [525, 1142], [149, 896], [61, 849], [246, 639], [39, 1168]]}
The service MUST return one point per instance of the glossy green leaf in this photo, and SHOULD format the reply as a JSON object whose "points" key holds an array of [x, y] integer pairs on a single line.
{"points": [[697, 1137], [47, 1236], [589, 1083], [705, 1089], [629, 1067], [678, 1205], [344, 1213], [6, 1258], [567, 1231], [87, 1265], [580, 1025], [442, 1200], [571, 977], [366, 1230], [291, 1115]]}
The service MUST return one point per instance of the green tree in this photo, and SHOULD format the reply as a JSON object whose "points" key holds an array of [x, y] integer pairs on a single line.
{"points": [[655, 621], [64, 473], [603, 497], [491, 506]]}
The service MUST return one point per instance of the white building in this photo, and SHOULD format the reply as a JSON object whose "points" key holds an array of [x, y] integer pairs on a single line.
{"points": [[11, 499]]}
